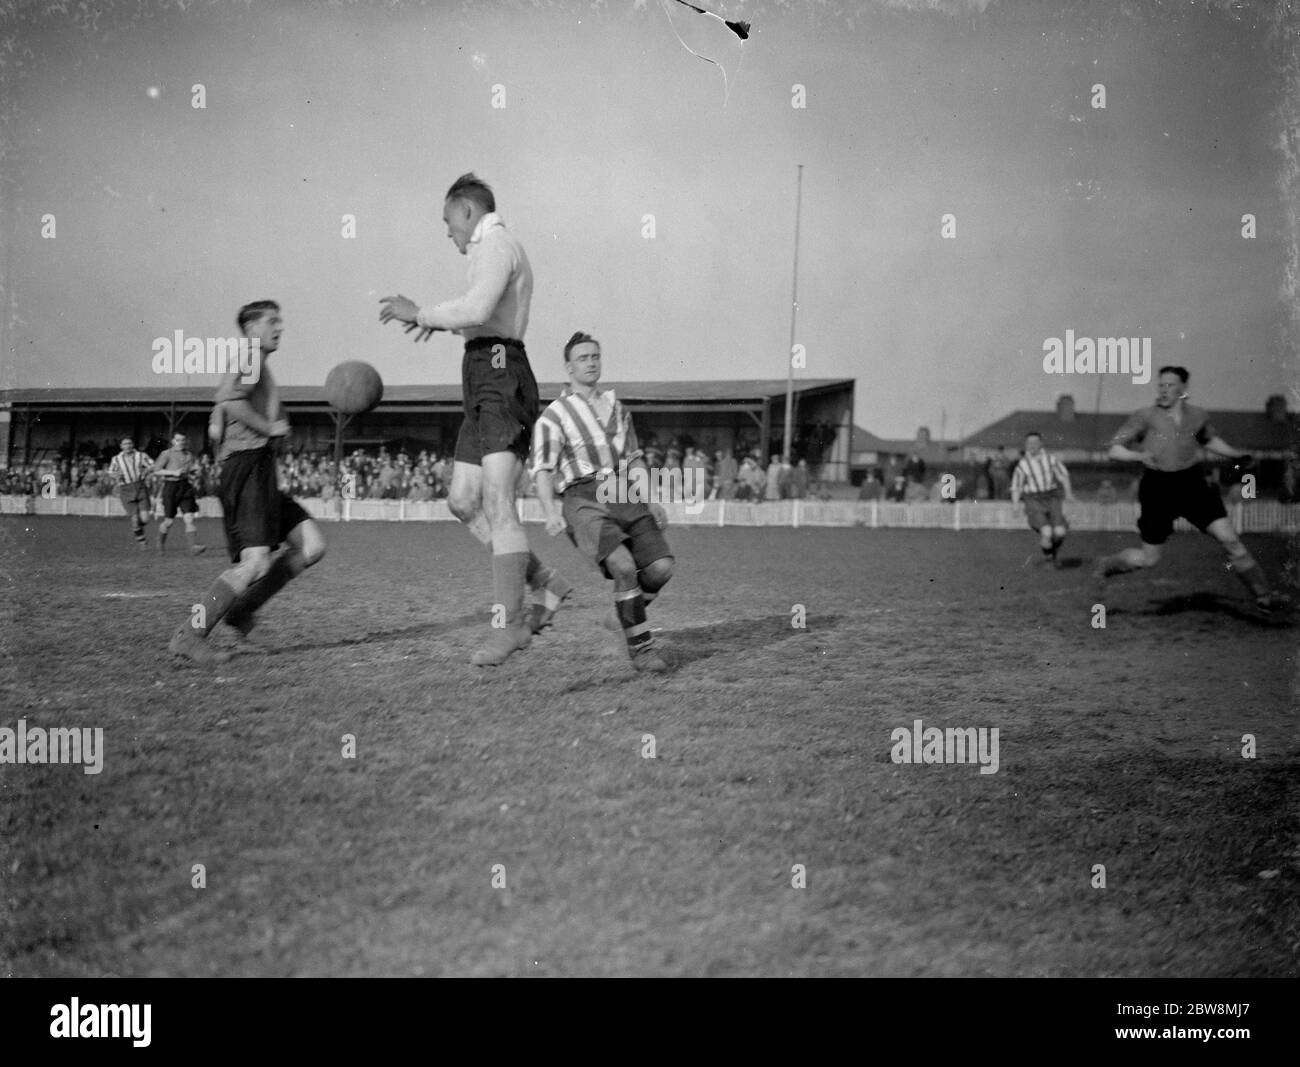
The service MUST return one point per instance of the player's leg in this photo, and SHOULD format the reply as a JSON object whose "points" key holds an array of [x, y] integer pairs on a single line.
{"points": [[649, 547], [1057, 526], [629, 606], [510, 559], [1157, 499], [303, 546], [189, 509], [465, 498], [1243, 564], [168, 516], [129, 503], [190, 641], [465, 501]]}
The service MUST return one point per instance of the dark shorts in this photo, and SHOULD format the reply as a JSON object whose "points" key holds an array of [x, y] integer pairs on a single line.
{"points": [[134, 497], [501, 401], [177, 496], [1045, 509], [597, 528], [253, 510], [1165, 496]]}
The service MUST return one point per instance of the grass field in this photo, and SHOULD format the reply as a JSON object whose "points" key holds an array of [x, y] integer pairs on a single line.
{"points": [[1119, 746]]}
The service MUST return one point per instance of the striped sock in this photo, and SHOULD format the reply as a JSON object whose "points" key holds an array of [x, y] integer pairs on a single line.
{"points": [[629, 605]]}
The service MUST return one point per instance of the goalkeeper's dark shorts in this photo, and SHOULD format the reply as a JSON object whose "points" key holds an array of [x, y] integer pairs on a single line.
{"points": [[1168, 495], [501, 400]]}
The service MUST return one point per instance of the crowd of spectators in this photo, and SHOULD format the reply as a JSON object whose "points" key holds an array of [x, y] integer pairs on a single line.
{"points": [[398, 475]]}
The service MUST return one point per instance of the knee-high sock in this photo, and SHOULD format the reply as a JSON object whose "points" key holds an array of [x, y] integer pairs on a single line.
{"points": [[279, 575], [216, 604], [1251, 575], [629, 605], [510, 581]]}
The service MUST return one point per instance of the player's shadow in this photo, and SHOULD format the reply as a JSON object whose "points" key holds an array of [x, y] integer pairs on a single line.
{"points": [[691, 644], [1072, 563], [424, 629], [1213, 604]]}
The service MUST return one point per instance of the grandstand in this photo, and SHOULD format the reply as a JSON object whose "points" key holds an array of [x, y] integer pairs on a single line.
{"points": [[740, 416]]}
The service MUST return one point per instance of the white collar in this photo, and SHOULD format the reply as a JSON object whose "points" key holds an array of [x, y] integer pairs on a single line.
{"points": [[490, 221]]}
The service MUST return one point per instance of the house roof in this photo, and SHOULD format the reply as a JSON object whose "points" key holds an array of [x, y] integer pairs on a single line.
{"points": [[1253, 431]]}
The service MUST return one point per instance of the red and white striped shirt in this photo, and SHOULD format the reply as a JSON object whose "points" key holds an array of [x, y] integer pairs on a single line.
{"points": [[1038, 474], [130, 468], [576, 438]]}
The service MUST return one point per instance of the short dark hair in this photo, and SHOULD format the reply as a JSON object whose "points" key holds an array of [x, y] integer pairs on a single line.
{"points": [[254, 311], [578, 338], [471, 187], [1032, 433], [1182, 372]]}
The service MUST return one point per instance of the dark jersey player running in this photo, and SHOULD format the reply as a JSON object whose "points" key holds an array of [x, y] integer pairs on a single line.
{"points": [[271, 538], [501, 405], [1171, 435]]}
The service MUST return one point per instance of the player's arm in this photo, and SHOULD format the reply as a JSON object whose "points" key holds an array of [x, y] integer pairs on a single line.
{"points": [[1220, 447], [547, 441], [243, 411], [1064, 476], [1132, 432], [1017, 485], [489, 274]]}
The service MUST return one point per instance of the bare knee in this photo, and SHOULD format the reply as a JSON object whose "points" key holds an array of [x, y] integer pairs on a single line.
{"points": [[312, 548], [620, 565], [248, 571], [463, 505], [656, 574]]}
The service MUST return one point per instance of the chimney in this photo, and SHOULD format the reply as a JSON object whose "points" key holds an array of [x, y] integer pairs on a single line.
{"points": [[1275, 408], [923, 436], [1065, 407]]}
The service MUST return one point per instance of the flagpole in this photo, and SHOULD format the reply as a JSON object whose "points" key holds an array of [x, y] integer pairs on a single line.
{"points": [[794, 313]]}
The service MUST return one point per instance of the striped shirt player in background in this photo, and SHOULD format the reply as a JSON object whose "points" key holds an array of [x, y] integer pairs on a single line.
{"points": [[176, 468], [1042, 481], [501, 405], [257, 516], [585, 438], [1171, 435], [130, 470]]}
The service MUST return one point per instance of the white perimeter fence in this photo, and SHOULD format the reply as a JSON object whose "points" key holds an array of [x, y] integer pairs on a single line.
{"points": [[1255, 516]]}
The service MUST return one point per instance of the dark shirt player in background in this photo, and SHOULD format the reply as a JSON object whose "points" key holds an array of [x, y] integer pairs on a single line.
{"points": [[1171, 435]]}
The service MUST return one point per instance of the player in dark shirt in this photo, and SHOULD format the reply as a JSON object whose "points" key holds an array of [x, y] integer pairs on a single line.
{"points": [[1170, 436], [258, 517]]}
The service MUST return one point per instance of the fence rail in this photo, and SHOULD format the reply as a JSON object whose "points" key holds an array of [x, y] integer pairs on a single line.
{"points": [[1254, 516]]}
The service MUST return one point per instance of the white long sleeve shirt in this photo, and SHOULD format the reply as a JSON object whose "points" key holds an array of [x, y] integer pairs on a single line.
{"points": [[500, 287]]}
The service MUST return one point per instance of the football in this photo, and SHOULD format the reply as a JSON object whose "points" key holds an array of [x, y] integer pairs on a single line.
{"points": [[353, 387]]}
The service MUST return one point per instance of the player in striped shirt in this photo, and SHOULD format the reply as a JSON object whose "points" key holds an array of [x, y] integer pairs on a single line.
{"points": [[1041, 480], [584, 449], [130, 470], [1170, 436], [176, 469]]}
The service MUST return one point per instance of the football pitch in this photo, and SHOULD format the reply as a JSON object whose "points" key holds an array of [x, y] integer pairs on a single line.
{"points": [[741, 815]]}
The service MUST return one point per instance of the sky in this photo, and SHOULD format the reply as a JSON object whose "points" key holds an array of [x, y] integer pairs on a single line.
{"points": [[658, 203]]}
